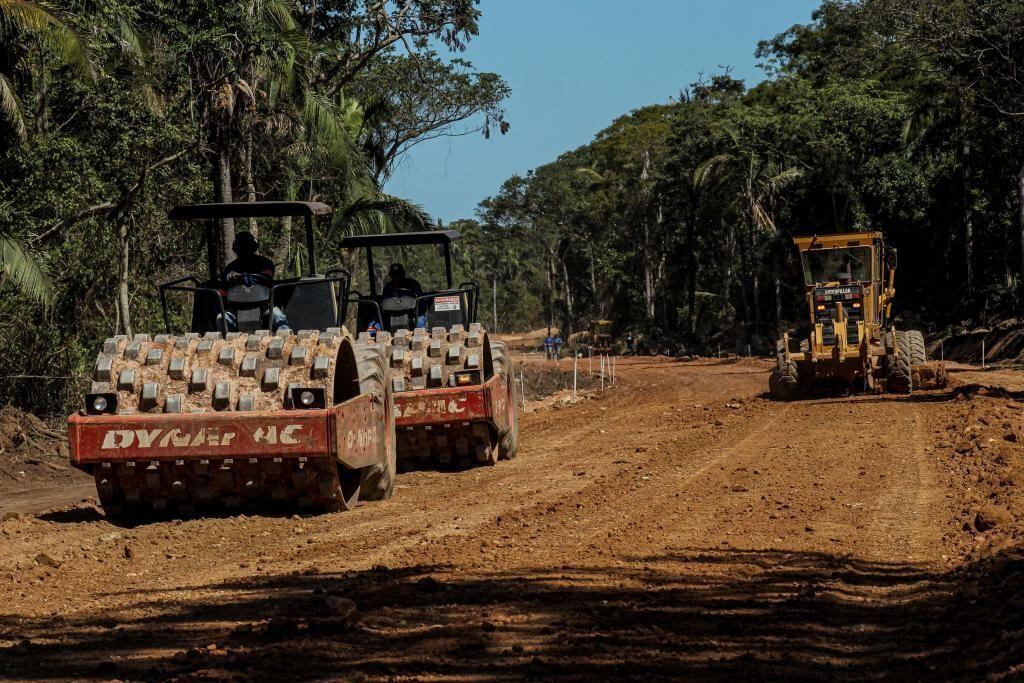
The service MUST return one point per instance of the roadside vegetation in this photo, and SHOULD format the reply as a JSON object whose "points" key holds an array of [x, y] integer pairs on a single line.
{"points": [[674, 222], [897, 115], [111, 112]]}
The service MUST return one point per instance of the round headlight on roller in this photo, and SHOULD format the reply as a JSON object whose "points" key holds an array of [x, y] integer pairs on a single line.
{"points": [[99, 404], [306, 398]]}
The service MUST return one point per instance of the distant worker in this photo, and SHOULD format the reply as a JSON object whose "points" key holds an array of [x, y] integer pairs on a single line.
{"points": [[249, 268], [549, 347], [557, 342], [630, 344], [398, 281]]}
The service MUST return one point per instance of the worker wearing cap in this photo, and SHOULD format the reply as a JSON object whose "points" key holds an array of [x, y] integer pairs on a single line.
{"points": [[249, 267], [397, 280]]}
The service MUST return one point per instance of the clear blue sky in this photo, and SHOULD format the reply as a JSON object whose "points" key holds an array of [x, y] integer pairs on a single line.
{"points": [[576, 65]]}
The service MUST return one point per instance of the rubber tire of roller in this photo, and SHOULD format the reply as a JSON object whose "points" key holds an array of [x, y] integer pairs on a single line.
{"points": [[378, 481]]}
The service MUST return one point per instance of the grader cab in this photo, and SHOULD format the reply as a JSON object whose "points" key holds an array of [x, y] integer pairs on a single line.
{"points": [[850, 338]]}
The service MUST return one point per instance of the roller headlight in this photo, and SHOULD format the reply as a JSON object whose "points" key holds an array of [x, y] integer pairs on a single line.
{"points": [[307, 398], [100, 404]]}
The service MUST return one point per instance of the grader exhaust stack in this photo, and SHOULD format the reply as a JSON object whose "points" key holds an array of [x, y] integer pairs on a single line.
{"points": [[850, 339]]}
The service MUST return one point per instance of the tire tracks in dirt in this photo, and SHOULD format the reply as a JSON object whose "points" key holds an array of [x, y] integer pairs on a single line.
{"points": [[678, 524]]}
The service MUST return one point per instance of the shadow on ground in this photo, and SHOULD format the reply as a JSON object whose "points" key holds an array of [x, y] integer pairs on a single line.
{"points": [[703, 614]]}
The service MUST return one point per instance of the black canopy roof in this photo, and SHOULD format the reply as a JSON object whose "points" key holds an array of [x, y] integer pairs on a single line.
{"points": [[401, 239], [195, 212]]}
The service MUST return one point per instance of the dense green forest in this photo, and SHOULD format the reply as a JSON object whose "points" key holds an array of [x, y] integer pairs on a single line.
{"points": [[899, 115], [112, 111]]}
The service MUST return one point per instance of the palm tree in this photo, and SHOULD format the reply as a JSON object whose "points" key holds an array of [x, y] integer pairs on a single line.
{"points": [[25, 26], [250, 89], [19, 267], [759, 183]]}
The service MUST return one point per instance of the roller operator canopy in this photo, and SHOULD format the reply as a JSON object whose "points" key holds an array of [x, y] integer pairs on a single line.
{"points": [[196, 212]]}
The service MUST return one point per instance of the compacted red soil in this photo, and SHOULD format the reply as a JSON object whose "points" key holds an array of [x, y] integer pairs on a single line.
{"points": [[679, 525]]}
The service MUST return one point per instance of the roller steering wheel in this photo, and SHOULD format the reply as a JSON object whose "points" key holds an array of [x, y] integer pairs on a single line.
{"points": [[250, 279], [398, 293]]}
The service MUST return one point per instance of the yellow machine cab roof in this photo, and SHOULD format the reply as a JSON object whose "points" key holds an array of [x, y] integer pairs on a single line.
{"points": [[846, 239]]}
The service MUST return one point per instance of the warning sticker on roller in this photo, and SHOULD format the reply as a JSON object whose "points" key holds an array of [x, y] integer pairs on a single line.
{"points": [[447, 303]]}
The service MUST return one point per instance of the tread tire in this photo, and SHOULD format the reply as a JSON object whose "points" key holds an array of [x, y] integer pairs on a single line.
{"points": [[918, 350], [378, 481], [901, 379], [784, 383], [508, 441]]}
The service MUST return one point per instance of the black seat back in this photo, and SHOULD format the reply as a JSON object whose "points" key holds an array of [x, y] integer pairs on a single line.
{"points": [[309, 303], [445, 309], [399, 313]]}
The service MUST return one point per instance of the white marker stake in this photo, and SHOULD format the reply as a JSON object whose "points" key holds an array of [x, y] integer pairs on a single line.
{"points": [[601, 359], [982, 354], [590, 361], [522, 388], [574, 359]]}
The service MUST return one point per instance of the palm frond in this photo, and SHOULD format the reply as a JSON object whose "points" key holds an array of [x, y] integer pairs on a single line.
{"points": [[590, 175], [762, 219], [11, 108], [51, 28], [379, 213], [706, 171], [783, 179], [18, 264]]}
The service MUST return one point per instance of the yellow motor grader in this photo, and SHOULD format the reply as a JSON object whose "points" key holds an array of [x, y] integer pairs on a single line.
{"points": [[851, 339]]}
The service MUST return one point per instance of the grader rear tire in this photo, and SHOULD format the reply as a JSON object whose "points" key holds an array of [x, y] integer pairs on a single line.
{"points": [[508, 440], [918, 351], [901, 379], [784, 382]]}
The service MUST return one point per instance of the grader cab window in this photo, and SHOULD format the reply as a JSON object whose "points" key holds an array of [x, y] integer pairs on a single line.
{"points": [[843, 265]]}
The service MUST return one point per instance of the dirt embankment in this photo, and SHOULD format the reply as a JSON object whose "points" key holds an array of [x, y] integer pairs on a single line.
{"points": [[33, 460], [679, 526], [1001, 343]]}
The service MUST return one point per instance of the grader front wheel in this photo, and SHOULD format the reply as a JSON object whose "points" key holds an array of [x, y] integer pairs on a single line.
{"points": [[900, 360], [784, 382], [918, 351]]}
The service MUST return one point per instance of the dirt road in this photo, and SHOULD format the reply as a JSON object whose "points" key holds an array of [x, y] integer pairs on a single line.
{"points": [[681, 525]]}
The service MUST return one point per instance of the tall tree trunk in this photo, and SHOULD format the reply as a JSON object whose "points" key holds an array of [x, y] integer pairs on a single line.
{"points": [[567, 321], [42, 95], [551, 290], [691, 277], [598, 299], [745, 305], [1020, 231], [730, 258], [124, 314], [250, 184], [968, 218], [645, 264], [223, 194], [778, 296], [757, 306]]}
